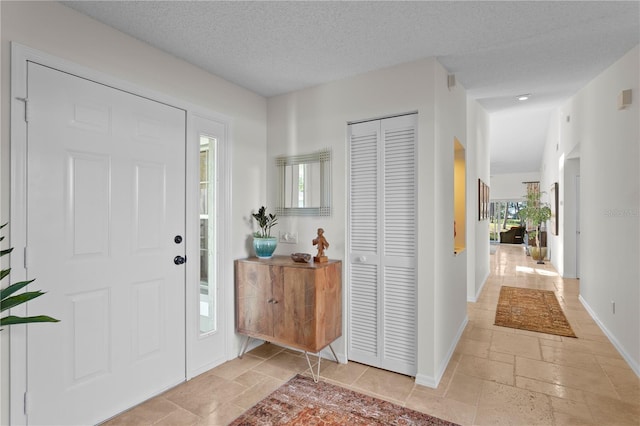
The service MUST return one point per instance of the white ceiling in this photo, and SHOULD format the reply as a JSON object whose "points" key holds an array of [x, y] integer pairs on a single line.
{"points": [[496, 50]]}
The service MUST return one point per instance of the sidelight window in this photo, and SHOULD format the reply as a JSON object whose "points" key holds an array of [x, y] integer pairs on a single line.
{"points": [[208, 285]]}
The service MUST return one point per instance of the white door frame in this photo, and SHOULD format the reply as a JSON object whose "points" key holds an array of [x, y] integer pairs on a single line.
{"points": [[20, 55], [577, 219], [200, 357]]}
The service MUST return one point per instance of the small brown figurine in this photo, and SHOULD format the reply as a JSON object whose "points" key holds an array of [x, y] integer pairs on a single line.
{"points": [[322, 244]]}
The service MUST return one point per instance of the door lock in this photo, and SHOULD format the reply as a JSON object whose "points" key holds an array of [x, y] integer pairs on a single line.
{"points": [[179, 260], [177, 239]]}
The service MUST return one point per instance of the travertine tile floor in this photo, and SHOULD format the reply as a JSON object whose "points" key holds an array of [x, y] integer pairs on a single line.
{"points": [[497, 375]]}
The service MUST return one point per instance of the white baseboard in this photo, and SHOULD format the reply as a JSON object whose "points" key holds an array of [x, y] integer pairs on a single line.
{"points": [[431, 381], [474, 299], [424, 380], [326, 354], [612, 338]]}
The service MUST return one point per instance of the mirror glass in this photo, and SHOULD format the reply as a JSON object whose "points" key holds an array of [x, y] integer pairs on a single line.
{"points": [[304, 184], [303, 181]]}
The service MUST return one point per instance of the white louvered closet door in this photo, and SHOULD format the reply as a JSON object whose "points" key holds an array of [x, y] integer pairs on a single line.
{"points": [[382, 243]]}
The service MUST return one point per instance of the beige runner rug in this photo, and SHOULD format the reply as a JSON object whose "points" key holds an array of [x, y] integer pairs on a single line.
{"points": [[531, 309]]}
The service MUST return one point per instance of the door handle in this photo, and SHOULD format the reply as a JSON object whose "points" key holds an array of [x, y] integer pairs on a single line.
{"points": [[179, 260]]}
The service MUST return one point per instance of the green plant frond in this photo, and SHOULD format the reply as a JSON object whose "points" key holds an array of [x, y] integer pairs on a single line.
{"points": [[12, 301], [535, 211], [6, 292], [265, 222], [12, 319], [8, 300]]}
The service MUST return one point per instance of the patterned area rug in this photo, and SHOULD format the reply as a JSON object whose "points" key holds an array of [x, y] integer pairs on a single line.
{"points": [[531, 309], [300, 401]]}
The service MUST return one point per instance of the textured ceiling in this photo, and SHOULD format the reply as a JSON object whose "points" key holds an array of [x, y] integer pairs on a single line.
{"points": [[497, 50]]}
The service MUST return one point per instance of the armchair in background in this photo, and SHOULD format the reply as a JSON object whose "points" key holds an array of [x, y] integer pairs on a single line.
{"points": [[514, 235]]}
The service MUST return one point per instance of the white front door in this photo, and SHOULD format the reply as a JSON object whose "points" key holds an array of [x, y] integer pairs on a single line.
{"points": [[105, 203]]}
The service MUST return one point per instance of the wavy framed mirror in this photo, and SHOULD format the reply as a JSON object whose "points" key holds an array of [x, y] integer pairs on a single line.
{"points": [[304, 184]]}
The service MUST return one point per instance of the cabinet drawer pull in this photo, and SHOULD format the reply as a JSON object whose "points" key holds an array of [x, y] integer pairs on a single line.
{"points": [[272, 301]]}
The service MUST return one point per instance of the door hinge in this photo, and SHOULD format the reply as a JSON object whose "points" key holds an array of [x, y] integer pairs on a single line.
{"points": [[26, 403], [27, 110], [26, 258]]}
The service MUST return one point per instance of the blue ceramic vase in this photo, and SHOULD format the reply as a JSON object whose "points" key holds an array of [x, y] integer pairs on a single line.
{"points": [[264, 247]]}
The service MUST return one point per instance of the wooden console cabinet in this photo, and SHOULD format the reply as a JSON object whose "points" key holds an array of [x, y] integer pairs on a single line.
{"points": [[294, 304]]}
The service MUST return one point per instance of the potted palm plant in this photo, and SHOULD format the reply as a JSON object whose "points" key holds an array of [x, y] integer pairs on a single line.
{"points": [[9, 297], [263, 243], [536, 213]]}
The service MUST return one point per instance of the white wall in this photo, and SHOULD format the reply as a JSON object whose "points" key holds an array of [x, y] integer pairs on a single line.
{"points": [[552, 170], [478, 155], [60, 31], [450, 292], [311, 119], [509, 186], [607, 141], [558, 166]]}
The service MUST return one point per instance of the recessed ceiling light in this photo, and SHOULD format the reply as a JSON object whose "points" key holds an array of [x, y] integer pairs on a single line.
{"points": [[523, 97]]}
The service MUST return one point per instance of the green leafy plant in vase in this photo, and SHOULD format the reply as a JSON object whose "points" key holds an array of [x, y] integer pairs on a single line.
{"points": [[536, 212], [263, 243], [9, 298]]}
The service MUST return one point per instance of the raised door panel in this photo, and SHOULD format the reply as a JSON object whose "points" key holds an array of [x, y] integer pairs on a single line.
{"points": [[254, 313]]}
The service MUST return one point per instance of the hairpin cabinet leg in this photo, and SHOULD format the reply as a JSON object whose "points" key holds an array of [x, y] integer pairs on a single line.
{"points": [[316, 376], [244, 347], [334, 354]]}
